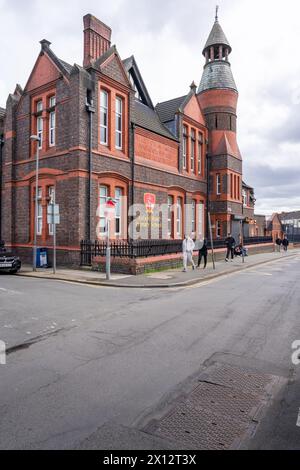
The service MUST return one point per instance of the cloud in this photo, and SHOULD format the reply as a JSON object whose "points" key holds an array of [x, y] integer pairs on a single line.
{"points": [[167, 39]]}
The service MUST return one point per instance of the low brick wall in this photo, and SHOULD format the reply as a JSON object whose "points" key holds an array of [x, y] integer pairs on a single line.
{"points": [[71, 259], [64, 257], [157, 263]]}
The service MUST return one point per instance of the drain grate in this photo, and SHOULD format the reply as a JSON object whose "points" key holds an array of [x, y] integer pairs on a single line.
{"points": [[199, 429], [227, 402], [219, 412], [241, 379]]}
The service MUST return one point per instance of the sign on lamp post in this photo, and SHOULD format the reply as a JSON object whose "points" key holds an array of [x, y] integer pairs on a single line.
{"points": [[109, 213], [53, 220]]}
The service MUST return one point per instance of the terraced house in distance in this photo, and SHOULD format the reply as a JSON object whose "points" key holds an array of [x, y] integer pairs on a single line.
{"points": [[101, 137]]}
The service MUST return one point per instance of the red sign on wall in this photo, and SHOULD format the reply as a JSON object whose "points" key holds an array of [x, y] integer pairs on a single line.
{"points": [[150, 201]]}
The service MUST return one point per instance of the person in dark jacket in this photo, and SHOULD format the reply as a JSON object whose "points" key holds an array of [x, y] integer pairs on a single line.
{"points": [[230, 244], [203, 254], [278, 243], [285, 243]]}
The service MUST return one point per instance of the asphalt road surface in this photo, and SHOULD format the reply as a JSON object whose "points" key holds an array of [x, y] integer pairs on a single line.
{"points": [[83, 358]]}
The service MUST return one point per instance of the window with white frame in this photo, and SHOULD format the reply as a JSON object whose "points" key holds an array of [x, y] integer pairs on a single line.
{"points": [[245, 201], [103, 200], [218, 229], [184, 151], [52, 121], [39, 213], [104, 117], [119, 122], [194, 205], [201, 219], [179, 217], [193, 144], [200, 144], [39, 123], [118, 209], [51, 196], [218, 182], [170, 216]]}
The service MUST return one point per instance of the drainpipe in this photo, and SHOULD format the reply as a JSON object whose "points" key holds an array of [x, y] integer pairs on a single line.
{"points": [[1, 176], [207, 197], [90, 110], [132, 164]]}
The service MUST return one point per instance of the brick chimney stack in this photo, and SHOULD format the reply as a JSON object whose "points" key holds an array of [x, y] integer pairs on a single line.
{"points": [[97, 38]]}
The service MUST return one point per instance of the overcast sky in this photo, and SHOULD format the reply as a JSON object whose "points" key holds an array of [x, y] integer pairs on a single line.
{"points": [[167, 38]]}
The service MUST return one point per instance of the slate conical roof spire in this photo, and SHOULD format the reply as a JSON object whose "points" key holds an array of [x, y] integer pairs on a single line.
{"points": [[217, 70], [217, 36]]}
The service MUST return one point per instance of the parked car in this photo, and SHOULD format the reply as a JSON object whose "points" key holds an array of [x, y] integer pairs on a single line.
{"points": [[8, 262]]}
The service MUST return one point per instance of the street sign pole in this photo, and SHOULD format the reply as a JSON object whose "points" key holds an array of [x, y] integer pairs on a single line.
{"points": [[53, 219], [108, 252], [211, 241], [54, 236], [110, 215], [242, 240]]}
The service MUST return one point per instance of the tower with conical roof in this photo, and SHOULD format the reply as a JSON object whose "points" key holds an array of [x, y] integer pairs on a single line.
{"points": [[218, 96]]}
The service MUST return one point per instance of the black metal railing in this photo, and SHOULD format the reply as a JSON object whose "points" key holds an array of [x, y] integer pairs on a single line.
{"points": [[146, 248], [257, 240]]}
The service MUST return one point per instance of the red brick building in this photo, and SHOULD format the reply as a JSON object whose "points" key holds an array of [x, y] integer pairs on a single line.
{"points": [[101, 136]]}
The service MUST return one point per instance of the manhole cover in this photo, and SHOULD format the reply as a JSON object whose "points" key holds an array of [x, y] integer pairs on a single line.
{"points": [[218, 412], [225, 401], [199, 429], [241, 379]]}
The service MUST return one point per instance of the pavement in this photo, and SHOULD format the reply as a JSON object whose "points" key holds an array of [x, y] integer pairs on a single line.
{"points": [[164, 279], [90, 367]]}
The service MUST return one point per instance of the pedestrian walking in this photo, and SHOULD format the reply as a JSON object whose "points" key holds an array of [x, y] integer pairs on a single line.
{"points": [[285, 243], [203, 254], [188, 247], [230, 245], [278, 243]]}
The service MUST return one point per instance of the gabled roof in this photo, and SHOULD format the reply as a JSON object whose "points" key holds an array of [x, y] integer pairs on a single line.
{"points": [[63, 66], [289, 215], [246, 186], [167, 109], [216, 37], [132, 68], [99, 63], [147, 118], [67, 67], [270, 223]]}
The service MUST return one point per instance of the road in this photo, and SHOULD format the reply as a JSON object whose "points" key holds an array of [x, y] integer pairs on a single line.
{"points": [[84, 358]]}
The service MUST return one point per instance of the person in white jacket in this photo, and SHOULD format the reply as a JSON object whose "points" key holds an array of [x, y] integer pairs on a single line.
{"points": [[188, 247]]}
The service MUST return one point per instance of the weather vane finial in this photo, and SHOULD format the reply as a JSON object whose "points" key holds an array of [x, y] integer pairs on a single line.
{"points": [[217, 12]]}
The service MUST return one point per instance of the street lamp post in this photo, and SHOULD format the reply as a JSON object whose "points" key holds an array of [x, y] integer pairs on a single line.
{"points": [[36, 139]]}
